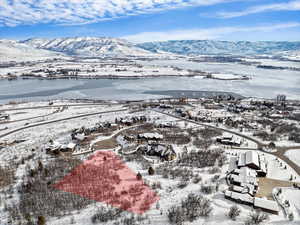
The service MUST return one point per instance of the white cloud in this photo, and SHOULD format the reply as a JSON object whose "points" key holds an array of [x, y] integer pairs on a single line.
{"points": [[18, 12], [285, 6], [202, 34]]}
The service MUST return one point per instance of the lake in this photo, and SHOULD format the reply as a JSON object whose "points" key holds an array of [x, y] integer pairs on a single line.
{"points": [[265, 83]]}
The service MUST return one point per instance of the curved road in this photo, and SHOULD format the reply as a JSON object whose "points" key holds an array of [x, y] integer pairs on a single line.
{"points": [[279, 153]]}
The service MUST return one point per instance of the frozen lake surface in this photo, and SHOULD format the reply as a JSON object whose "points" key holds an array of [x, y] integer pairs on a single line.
{"points": [[265, 83]]}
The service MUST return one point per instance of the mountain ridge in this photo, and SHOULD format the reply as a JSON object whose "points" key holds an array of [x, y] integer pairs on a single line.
{"points": [[214, 47], [117, 47], [89, 46]]}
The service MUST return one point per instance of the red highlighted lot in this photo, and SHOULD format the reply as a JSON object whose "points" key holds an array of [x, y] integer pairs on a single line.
{"points": [[104, 177]]}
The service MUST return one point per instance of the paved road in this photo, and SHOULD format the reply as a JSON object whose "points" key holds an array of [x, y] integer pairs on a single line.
{"points": [[279, 153], [61, 105], [259, 144], [26, 119], [58, 120]]}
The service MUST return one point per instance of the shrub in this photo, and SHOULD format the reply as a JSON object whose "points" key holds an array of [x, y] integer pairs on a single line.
{"points": [[139, 176], [138, 220], [256, 218], [41, 220], [214, 170], [207, 189], [234, 212], [176, 215], [182, 184], [105, 214], [151, 171], [196, 179]]}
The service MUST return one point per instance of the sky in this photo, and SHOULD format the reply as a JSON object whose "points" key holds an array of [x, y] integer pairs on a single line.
{"points": [[152, 20]]}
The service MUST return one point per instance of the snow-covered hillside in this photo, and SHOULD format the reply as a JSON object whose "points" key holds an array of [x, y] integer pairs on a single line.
{"points": [[203, 47], [15, 51], [89, 46], [39, 49]]}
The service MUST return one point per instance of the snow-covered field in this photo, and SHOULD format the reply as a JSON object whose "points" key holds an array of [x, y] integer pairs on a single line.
{"points": [[226, 76], [294, 155], [96, 69]]}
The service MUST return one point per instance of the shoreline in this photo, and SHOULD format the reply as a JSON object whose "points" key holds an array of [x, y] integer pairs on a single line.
{"points": [[95, 77], [115, 77]]}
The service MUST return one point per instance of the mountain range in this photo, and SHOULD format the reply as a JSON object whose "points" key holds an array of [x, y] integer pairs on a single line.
{"points": [[37, 48], [212, 47]]}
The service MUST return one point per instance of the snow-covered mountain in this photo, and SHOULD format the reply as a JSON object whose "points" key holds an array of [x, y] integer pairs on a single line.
{"points": [[207, 47], [15, 51], [89, 46], [40, 49]]}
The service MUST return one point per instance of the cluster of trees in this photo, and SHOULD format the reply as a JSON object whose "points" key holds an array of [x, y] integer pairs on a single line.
{"points": [[206, 133], [190, 209], [201, 159], [37, 196], [202, 143], [278, 130], [177, 138], [172, 171], [265, 136], [105, 214], [6, 176]]}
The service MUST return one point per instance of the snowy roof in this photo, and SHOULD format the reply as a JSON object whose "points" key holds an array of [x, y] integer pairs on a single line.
{"points": [[247, 158], [151, 135], [80, 137], [242, 160], [232, 164], [71, 145], [55, 145], [252, 158], [237, 188], [227, 136], [242, 197], [244, 176], [228, 193], [245, 171], [266, 204]]}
